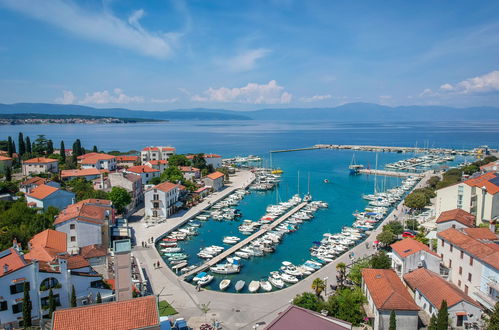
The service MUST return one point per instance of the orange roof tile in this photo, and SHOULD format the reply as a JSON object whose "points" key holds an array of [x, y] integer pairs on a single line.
{"points": [[491, 165], [89, 210], [93, 251], [387, 290], [12, 259], [150, 149], [484, 180], [34, 181], [5, 158], [481, 233], [76, 261], [189, 169], [82, 172], [212, 156], [126, 158], [40, 160], [435, 289], [93, 158], [215, 175], [158, 162], [478, 249], [135, 313], [142, 169], [166, 186], [458, 215], [168, 149], [51, 239], [409, 246], [42, 191]]}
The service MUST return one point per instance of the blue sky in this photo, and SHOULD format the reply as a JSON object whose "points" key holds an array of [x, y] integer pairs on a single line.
{"points": [[249, 54]]}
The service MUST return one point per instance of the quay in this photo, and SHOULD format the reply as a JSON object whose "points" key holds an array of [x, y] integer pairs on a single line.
{"points": [[390, 173], [242, 243]]}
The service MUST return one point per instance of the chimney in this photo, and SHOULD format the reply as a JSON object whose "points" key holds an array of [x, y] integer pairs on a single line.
{"points": [[492, 226], [14, 243], [5, 268]]}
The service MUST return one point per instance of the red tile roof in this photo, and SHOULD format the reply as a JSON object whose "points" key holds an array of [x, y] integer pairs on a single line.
{"points": [[168, 149], [5, 158], [42, 191], [135, 313], [458, 215], [93, 158], [34, 181], [76, 261], [409, 246], [93, 251], [166, 186], [142, 169], [481, 233], [212, 156], [12, 259], [435, 289], [89, 210], [387, 290], [150, 149], [188, 169], [40, 160], [295, 317], [158, 162], [215, 175], [484, 180], [491, 165], [478, 249], [82, 172], [126, 158], [47, 245]]}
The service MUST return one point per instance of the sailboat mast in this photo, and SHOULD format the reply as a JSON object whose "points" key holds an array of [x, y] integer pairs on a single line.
{"points": [[298, 182], [308, 191], [376, 176]]}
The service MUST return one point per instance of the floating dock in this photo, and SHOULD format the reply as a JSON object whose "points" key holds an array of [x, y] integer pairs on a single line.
{"points": [[390, 173], [232, 249]]}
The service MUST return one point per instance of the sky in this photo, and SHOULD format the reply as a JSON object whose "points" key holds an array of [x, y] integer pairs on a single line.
{"points": [[242, 55]]}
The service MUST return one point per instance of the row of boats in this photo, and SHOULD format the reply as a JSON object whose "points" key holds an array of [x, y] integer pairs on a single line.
{"points": [[417, 163], [265, 179]]}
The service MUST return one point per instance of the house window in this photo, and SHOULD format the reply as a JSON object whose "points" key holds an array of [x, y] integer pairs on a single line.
{"points": [[45, 301], [451, 247], [72, 226], [17, 308], [49, 283], [460, 270], [156, 205], [431, 309], [459, 283], [450, 263], [469, 277], [466, 289], [73, 238], [3, 306], [442, 242], [155, 214], [462, 254], [471, 261], [460, 319], [17, 288]]}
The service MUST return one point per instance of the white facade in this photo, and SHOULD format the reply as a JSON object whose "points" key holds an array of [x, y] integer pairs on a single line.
{"points": [[109, 164], [145, 176], [450, 224], [159, 203], [488, 292], [213, 160], [128, 182], [33, 167], [156, 153], [59, 199], [404, 265], [82, 233]]}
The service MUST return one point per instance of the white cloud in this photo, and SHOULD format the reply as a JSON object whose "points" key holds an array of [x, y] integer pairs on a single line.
{"points": [[101, 26], [105, 97], [270, 93], [67, 98], [172, 100], [485, 83], [247, 60], [316, 98]]}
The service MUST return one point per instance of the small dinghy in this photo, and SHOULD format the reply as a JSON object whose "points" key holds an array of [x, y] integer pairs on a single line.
{"points": [[224, 284], [254, 286], [239, 285]]}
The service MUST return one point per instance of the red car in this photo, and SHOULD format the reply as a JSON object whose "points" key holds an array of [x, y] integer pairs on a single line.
{"points": [[408, 234]]}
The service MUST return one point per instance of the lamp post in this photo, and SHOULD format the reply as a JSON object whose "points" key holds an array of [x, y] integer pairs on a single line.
{"points": [[484, 195], [325, 286]]}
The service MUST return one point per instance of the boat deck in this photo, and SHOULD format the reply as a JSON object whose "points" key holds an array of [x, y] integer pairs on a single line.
{"points": [[228, 252]]}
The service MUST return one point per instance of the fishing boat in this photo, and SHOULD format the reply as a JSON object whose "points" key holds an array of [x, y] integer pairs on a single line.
{"points": [[205, 280], [239, 285], [265, 285], [254, 286], [326, 181], [224, 284]]}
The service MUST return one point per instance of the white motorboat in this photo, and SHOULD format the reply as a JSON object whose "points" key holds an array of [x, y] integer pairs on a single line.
{"points": [[276, 280], [290, 269], [265, 285], [224, 284], [239, 285], [242, 254], [205, 280], [289, 278], [171, 250], [254, 286], [225, 269]]}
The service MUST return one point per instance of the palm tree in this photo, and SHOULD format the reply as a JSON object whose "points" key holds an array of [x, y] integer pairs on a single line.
{"points": [[318, 286], [341, 268]]}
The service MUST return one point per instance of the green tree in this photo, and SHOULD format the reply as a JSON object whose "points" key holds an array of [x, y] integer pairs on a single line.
{"points": [[94, 149], [52, 305], [493, 321], [412, 224], [415, 200], [10, 150], [308, 300], [21, 145], [198, 161], [433, 181], [381, 260], [172, 174], [156, 180], [433, 323], [443, 316], [341, 268], [73, 296], [120, 198], [8, 173], [386, 237], [27, 307], [178, 160], [84, 190], [63, 152], [346, 304], [470, 169], [355, 274], [40, 146], [395, 227], [50, 147], [318, 286], [393, 321], [28, 145], [98, 300]]}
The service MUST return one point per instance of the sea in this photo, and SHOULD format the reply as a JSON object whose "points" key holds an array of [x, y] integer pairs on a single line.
{"points": [[303, 171]]}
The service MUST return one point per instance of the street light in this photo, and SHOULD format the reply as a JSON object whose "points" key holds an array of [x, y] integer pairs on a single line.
{"points": [[325, 285]]}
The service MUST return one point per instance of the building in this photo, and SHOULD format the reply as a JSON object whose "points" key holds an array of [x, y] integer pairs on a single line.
{"points": [[67, 152], [490, 167], [47, 245], [5, 162], [42, 276], [160, 165], [161, 200], [471, 256], [297, 318], [96, 255], [477, 195], [456, 218], [429, 290], [40, 165], [190, 173], [97, 160], [31, 183], [139, 313], [210, 159], [145, 172], [127, 160], [88, 174], [409, 254], [215, 181], [156, 153], [86, 223], [131, 182], [385, 293], [44, 196]]}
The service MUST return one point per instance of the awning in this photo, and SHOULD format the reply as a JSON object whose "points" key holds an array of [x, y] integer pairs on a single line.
{"points": [[461, 313]]}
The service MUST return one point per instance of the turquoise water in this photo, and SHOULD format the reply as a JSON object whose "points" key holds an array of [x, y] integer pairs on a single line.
{"points": [[343, 193]]}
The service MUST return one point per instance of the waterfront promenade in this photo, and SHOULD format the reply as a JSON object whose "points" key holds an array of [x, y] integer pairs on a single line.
{"points": [[239, 311]]}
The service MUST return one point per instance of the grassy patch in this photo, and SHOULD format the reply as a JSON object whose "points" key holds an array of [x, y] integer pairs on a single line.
{"points": [[166, 309]]}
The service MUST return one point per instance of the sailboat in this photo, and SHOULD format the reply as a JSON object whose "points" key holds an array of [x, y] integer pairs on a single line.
{"points": [[354, 167]]}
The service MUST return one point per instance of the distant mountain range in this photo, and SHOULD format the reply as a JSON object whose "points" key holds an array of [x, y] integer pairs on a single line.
{"points": [[361, 112]]}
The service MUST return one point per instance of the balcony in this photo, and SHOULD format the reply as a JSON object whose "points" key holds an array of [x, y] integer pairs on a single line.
{"points": [[444, 271]]}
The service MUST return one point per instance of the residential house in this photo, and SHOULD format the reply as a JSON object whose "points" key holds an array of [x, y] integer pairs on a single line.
{"points": [[88, 174], [101, 183], [47, 245], [131, 182], [96, 255], [139, 313], [490, 167], [67, 152], [210, 159], [86, 223], [477, 195], [429, 290], [156, 153], [215, 181], [456, 218], [471, 256], [160, 165], [40, 277], [409, 254], [40, 165], [385, 293], [145, 172], [97, 160], [44, 196], [31, 183], [127, 161], [190, 173], [5, 162], [294, 317], [161, 200]]}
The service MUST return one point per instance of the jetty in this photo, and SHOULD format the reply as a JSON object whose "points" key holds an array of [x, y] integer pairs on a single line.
{"points": [[228, 252], [390, 173], [295, 149]]}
